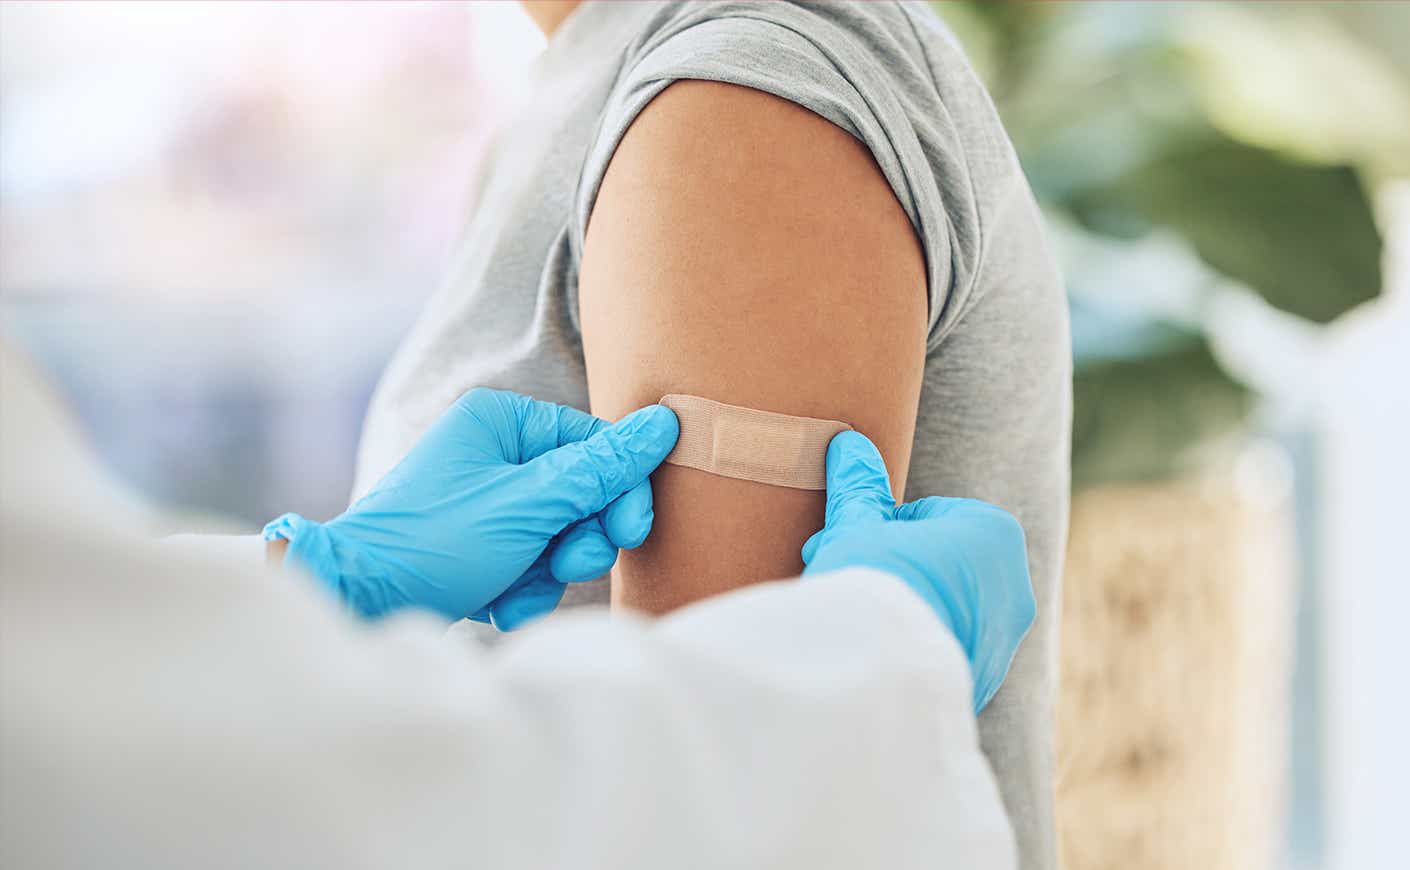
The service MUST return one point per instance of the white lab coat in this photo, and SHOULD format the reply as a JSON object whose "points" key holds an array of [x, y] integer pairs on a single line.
{"points": [[170, 708]]}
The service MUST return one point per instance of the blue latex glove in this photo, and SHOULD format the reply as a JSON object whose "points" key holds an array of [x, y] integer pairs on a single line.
{"points": [[503, 501], [966, 558]]}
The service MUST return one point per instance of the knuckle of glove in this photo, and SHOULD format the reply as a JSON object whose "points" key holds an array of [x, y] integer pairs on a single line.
{"points": [[854, 508], [591, 468]]}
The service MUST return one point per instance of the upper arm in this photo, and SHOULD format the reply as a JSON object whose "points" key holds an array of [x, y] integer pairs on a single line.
{"points": [[744, 249]]}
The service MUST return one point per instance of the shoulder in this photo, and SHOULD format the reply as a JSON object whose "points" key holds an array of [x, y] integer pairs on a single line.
{"points": [[905, 42], [888, 75], [710, 126], [743, 171], [885, 24]]}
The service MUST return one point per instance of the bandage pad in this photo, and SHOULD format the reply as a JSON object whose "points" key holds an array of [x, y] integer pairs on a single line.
{"points": [[748, 444]]}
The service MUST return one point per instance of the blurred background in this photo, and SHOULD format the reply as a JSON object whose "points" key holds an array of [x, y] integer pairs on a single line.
{"points": [[216, 221]]}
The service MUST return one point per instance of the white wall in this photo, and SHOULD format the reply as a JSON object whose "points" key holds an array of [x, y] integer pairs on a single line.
{"points": [[1364, 421]]}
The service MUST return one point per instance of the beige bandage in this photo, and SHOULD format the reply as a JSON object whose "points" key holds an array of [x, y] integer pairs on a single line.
{"points": [[777, 449]]}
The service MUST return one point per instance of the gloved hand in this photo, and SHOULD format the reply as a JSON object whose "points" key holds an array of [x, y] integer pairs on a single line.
{"points": [[965, 558], [503, 501]]}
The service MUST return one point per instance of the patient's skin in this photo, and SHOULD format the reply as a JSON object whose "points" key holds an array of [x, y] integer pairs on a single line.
{"points": [[746, 250], [548, 14], [747, 520]]}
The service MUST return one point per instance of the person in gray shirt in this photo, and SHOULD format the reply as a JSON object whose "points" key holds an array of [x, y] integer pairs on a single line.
{"points": [[965, 384]]}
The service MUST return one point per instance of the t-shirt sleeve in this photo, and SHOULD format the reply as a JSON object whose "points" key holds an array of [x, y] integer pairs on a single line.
{"points": [[782, 50]]}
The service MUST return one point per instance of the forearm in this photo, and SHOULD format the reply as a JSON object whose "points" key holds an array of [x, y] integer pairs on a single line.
{"points": [[727, 716], [239, 552], [826, 722], [725, 709]]}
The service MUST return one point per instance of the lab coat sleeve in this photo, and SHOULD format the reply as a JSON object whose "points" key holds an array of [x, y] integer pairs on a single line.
{"points": [[247, 551], [162, 709]]}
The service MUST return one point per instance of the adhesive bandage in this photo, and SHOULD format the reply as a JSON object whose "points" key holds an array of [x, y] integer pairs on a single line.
{"points": [[777, 449]]}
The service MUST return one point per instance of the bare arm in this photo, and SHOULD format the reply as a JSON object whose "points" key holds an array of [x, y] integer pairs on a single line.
{"points": [[744, 249]]}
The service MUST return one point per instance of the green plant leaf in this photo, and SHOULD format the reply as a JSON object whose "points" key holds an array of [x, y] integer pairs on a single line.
{"points": [[1301, 235], [1142, 418]]}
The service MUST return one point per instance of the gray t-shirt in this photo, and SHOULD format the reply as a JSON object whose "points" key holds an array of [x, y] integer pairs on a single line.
{"points": [[995, 405]]}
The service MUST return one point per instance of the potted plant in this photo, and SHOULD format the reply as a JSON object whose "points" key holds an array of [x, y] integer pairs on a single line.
{"points": [[1206, 174]]}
